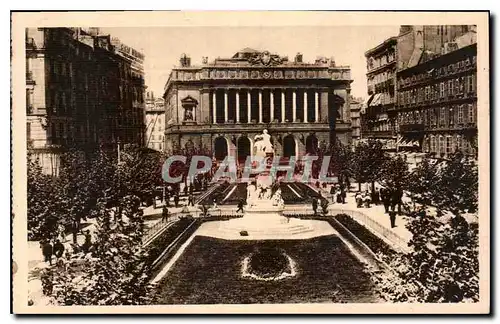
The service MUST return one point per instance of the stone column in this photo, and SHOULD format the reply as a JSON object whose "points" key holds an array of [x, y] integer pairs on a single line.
{"points": [[260, 105], [214, 106], [204, 115], [282, 105], [294, 106], [225, 105], [249, 106], [316, 106], [271, 98], [238, 106], [305, 106]]}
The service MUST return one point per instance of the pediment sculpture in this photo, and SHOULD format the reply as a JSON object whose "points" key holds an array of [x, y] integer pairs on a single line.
{"points": [[265, 58]]}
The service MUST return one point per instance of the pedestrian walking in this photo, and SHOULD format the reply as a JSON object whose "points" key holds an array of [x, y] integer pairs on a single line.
{"points": [[191, 199], [240, 206], [392, 215], [343, 194], [332, 193], [399, 199], [47, 251], [315, 206], [164, 214], [167, 198], [88, 242], [176, 200], [324, 205], [215, 203], [58, 249], [386, 199], [376, 197]]}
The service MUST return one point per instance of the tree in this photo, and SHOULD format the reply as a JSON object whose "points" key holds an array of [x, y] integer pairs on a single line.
{"points": [[443, 265], [367, 162], [42, 216], [116, 273], [458, 185], [424, 180], [395, 172]]}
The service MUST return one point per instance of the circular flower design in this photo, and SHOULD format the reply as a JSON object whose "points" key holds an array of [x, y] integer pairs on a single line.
{"points": [[268, 264]]}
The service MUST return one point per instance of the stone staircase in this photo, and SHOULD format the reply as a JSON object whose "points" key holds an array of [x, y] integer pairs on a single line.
{"points": [[280, 228]]}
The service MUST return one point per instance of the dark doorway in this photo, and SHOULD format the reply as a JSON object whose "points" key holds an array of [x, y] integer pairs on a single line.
{"points": [[220, 148], [289, 146], [243, 149], [311, 144]]}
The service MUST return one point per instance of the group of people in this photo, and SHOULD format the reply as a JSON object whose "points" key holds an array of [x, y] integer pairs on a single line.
{"points": [[338, 193], [364, 199], [57, 248], [389, 197], [319, 201]]}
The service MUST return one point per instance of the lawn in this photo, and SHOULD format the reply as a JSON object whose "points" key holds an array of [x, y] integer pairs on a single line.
{"points": [[208, 272]]}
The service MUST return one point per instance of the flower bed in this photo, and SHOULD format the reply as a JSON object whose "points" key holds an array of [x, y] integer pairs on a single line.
{"points": [[268, 262]]}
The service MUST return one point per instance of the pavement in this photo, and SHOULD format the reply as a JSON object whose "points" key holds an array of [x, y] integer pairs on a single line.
{"points": [[375, 213]]}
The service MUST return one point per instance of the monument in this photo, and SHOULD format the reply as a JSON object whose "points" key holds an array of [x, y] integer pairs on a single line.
{"points": [[263, 214]]}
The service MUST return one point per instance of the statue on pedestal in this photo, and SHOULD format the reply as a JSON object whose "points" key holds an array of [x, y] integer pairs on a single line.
{"points": [[263, 145]]}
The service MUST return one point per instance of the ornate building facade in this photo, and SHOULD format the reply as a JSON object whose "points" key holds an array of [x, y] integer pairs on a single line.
{"points": [[81, 91], [379, 116], [437, 102], [222, 105]]}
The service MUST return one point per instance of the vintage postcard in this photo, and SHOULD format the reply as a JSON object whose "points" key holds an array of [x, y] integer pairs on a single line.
{"points": [[250, 162]]}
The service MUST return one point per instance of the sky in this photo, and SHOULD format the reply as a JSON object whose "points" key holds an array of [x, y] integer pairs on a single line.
{"points": [[163, 46]]}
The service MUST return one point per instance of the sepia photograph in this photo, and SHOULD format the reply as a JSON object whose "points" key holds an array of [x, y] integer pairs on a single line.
{"points": [[250, 162]]}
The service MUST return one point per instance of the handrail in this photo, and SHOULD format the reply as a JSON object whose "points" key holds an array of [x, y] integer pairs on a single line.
{"points": [[375, 226]]}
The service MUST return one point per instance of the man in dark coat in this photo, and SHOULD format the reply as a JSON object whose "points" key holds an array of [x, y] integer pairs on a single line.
{"points": [[396, 199], [191, 199], [375, 197], [176, 200], [164, 214], [88, 242], [392, 215], [333, 190], [385, 195], [240, 206], [58, 249], [47, 251], [315, 205]]}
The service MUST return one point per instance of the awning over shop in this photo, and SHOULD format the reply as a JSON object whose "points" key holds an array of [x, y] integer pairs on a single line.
{"points": [[366, 103], [376, 100]]}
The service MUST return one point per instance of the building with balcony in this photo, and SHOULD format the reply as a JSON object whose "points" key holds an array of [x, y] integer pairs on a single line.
{"points": [[378, 117], [437, 97], [81, 91], [223, 104], [155, 122]]}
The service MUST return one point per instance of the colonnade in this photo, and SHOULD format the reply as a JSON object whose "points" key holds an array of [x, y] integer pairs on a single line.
{"points": [[276, 95]]}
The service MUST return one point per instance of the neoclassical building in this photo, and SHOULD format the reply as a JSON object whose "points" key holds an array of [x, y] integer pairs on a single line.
{"points": [[222, 105]]}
